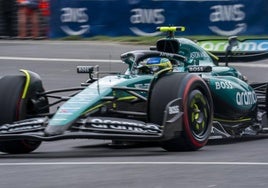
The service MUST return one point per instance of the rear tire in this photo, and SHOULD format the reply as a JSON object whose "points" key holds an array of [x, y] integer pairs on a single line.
{"points": [[16, 108], [197, 109]]}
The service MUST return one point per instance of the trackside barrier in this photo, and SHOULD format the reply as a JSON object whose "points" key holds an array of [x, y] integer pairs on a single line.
{"points": [[140, 17]]}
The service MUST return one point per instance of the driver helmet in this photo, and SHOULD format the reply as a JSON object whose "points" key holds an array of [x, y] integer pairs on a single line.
{"points": [[155, 64]]}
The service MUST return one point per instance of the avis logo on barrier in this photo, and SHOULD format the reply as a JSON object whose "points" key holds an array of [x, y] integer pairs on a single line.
{"points": [[74, 21], [228, 13], [146, 16]]}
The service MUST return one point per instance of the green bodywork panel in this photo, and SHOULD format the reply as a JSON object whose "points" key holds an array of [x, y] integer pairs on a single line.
{"points": [[233, 98], [92, 95]]}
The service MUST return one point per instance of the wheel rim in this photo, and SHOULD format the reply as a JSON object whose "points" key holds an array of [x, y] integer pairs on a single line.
{"points": [[198, 114]]}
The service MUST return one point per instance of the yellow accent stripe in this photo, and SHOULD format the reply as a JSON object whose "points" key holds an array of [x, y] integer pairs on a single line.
{"points": [[232, 121], [27, 83], [213, 56], [95, 107], [163, 70], [126, 98], [102, 104]]}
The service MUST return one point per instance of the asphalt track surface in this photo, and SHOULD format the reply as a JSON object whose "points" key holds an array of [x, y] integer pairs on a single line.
{"points": [[236, 163]]}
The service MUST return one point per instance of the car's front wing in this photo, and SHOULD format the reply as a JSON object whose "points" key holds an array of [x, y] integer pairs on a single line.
{"points": [[110, 128]]}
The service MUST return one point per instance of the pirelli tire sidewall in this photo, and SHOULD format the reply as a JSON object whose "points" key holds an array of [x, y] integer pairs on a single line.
{"points": [[191, 86], [17, 108], [11, 88], [180, 85]]}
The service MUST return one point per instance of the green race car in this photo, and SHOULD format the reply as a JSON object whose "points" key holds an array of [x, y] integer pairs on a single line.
{"points": [[174, 94]]}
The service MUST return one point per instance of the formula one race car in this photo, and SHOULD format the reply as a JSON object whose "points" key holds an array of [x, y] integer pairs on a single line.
{"points": [[174, 94]]}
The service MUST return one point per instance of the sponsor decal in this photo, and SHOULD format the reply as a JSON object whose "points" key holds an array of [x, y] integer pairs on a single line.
{"points": [[228, 13], [142, 86], [247, 45], [74, 20], [67, 111], [167, 55], [239, 28], [223, 85], [117, 124], [173, 109], [146, 16], [23, 125], [85, 69], [199, 68], [246, 98], [194, 55]]}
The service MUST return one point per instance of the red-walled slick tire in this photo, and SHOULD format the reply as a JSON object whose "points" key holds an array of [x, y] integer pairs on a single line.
{"points": [[197, 109]]}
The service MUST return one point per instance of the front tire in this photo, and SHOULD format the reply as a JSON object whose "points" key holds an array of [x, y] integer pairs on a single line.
{"points": [[197, 109], [16, 108]]}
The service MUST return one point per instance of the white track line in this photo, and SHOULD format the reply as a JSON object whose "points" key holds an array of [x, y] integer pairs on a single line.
{"points": [[134, 163], [57, 59], [256, 65], [107, 60]]}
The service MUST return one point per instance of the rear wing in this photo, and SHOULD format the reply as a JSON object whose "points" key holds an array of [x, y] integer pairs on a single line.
{"points": [[236, 50]]}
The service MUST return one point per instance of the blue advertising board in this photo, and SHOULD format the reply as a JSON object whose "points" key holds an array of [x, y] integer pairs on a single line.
{"points": [[140, 18]]}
